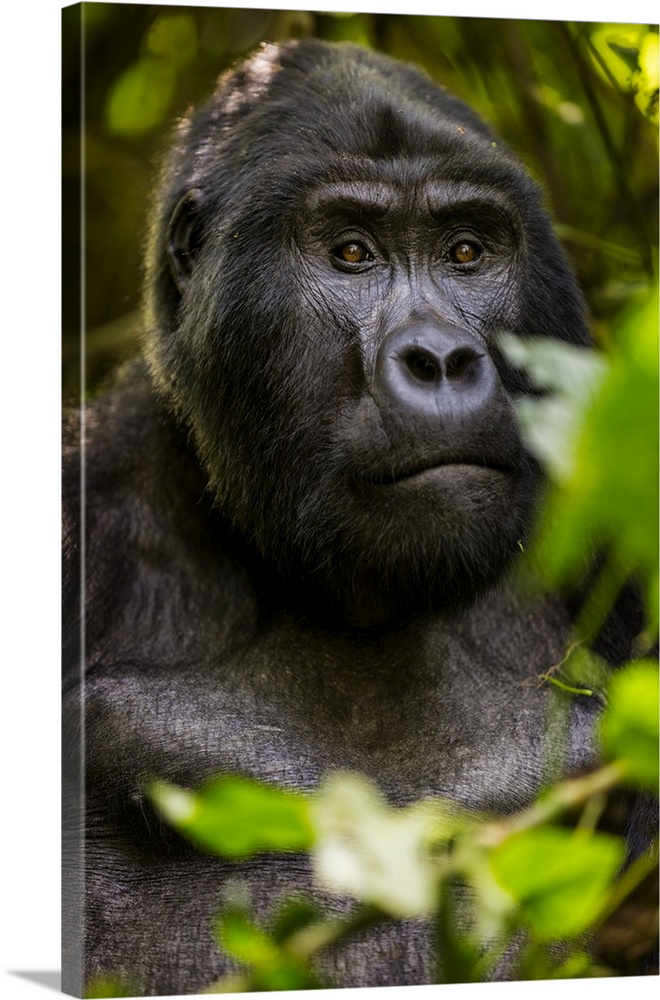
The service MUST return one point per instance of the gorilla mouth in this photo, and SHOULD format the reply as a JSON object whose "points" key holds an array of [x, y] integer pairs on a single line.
{"points": [[413, 471]]}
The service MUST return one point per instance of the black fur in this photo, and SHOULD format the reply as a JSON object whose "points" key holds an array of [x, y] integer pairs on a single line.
{"points": [[302, 505]]}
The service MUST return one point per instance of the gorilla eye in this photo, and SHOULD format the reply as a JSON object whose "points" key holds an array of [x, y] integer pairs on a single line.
{"points": [[352, 253], [464, 253]]}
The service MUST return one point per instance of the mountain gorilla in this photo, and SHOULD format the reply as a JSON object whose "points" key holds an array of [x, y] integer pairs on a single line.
{"points": [[303, 503]]}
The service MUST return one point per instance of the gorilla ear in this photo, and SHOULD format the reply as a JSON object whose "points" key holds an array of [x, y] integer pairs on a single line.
{"points": [[183, 238]]}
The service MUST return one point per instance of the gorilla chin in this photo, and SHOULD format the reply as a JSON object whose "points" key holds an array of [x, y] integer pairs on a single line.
{"points": [[427, 542]]}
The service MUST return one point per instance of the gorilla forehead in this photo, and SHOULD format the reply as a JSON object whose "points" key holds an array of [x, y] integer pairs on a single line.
{"points": [[297, 111]]}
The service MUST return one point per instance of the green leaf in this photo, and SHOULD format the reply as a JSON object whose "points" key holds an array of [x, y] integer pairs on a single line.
{"points": [[598, 437], [646, 80], [240, 937], [271, 966], [141, 97], [174, 37], [627, 54], [618, 47], [110, 985], [558, 877], [286, 974], [235, 816], [293, 915], [629, 727], [578, 965], [551, 425], [368, 850]]}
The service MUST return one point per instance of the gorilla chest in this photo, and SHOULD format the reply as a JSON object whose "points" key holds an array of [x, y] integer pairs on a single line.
{"points": [[428, 710]]}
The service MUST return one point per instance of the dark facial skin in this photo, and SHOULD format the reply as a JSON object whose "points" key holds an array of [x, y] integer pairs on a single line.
{"points": [[304, 502], [409, 285], [396, 293]]}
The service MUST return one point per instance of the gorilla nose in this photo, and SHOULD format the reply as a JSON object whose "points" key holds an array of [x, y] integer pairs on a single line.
{"points": [[433, 371]]}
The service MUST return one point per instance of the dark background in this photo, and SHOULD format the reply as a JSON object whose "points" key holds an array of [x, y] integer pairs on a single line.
{"points": [[575, 101]]}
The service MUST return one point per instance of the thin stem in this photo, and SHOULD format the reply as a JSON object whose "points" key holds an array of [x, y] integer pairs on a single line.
{"points": [[304, 944], [562, 797], [633, 876], [601, 599], [307, 942]]}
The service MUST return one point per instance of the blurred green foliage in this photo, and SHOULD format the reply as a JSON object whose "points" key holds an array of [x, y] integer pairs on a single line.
{"points": [[111, 986], [597, 434], [236, 817], [629, 731], [577, 102], [557, 879], [524, 872]]}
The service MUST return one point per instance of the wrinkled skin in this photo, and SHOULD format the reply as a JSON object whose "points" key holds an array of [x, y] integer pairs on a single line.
{"points": [[304, 503]]}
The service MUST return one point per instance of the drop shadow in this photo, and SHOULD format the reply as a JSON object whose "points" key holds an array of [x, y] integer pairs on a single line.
{"points": [[49, 980]]}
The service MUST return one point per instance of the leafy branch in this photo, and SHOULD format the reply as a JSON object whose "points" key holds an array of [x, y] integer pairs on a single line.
{"points": [[524, 872]]}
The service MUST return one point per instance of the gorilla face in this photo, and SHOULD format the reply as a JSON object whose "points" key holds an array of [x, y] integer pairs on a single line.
{"points": [[336, 245]]}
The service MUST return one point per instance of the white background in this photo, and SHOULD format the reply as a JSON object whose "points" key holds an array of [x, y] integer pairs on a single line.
{"points": [[29, 484]]}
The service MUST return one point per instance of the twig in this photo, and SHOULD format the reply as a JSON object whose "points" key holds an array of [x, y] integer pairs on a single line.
{"points": [[631, 878], [562, 797]]}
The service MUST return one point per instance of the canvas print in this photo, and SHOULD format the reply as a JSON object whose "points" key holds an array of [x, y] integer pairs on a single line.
{"points": [[360, 500]]}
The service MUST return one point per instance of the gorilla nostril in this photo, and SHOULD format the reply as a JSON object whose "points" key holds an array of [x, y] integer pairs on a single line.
{"points": [[428, 367], [421, 365], [458, 362]]}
